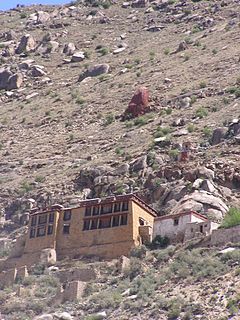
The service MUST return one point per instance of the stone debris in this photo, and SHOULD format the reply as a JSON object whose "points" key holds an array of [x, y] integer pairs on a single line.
{"points": [[27, 44], [95, 71], [78, 56], [69, 49]]}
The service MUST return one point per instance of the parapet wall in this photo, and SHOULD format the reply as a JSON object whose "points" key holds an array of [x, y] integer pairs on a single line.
{"points": [[224, 236]]}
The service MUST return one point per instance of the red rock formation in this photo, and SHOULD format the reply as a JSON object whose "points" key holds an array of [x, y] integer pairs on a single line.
{"points": [[138, 104]]}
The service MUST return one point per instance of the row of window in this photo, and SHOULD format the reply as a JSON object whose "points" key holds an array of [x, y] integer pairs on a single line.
{"points": [[107, 208], [109, 222], [41, 231], [42, 219]]}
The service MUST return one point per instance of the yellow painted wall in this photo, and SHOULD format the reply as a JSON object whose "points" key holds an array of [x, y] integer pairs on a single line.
{"points": [[139, 213], [39, 243], [108, 242], [93, 242]]}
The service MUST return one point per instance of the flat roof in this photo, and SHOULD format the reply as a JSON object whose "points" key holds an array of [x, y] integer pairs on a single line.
{"points": [[184, 213], [102, 201]]}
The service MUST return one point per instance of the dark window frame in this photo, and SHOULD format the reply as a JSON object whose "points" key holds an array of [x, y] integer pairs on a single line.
{"points": [[86, 225], [115, 221], [124, 220], [117, 207], [66, 229], [51, 217], [88, 211], [109, 209], [125, 206], [95, 210], [39, 230], [102, 224], [67, 215], [33, 221], [32, 233], [50, 229], [42, 217], [176, 222], [94, 224]]}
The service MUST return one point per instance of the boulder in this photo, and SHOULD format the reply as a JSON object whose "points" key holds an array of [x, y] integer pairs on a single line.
{"points": [[95, 71], [138, 164], [69, 48], [9, 81], [78, 56], [15, 81], [204, 202], [140, 3], [42, 17], [182, 46], [44, 317], [218, 135], [63, 316], [138, 104], [26, 64], [5, 74], [37, 71], [48, 257], [27, 44]]}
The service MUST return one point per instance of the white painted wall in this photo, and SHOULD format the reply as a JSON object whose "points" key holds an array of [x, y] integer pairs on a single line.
{"points": [[166, 227]]}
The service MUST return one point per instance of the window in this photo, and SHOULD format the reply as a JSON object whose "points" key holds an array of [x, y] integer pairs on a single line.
{"points": [[106, 209], [42, 219], [51, 217], [41, 231], [123, 220], [88, 211], [105, 223], [175, 222], [32, 233], [117, 207], [34, 221], [94, 224], [86, 224], [67, 215], [66, 228], [95, 211], [125, 206], [50, 229], [115, 221], [141, 222], [201, 229]]}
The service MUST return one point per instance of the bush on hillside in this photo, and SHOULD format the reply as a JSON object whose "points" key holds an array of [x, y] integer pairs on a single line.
{"points": [[232, 218]]}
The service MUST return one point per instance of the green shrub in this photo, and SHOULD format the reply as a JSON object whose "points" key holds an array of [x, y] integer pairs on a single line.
{"points": [[173, 154], [207, 132], [103, 51], [201, 112], [232, 218], [138, 252], [191, 128], [109, 119], [135, 268], [159, 242]]}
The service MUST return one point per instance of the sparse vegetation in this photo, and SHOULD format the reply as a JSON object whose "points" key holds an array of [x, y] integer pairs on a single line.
{"points": [[232, 218]]}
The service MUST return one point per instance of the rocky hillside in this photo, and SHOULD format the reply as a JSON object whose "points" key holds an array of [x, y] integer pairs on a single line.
{"points": [[68, 74]]}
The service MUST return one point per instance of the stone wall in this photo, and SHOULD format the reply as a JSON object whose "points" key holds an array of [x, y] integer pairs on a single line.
{"points": [[224, 236], [80, 274]]}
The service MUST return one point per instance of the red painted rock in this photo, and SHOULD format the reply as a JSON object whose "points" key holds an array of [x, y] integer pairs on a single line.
{"points": [[138, 104]]}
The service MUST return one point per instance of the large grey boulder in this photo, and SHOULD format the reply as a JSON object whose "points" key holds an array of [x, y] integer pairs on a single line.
{"points": [[15, 81], [9, 81], [69, 48], [27, 44], [5, 74], [204, 202], [95, 71], [44, 317], [218, 136]]}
